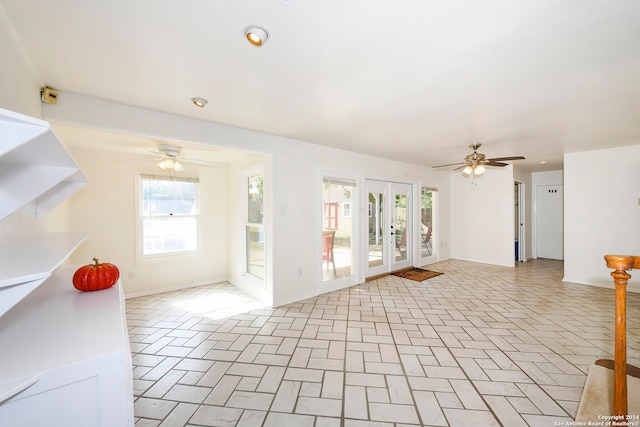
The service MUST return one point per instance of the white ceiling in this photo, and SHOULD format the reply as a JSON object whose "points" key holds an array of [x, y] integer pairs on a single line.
{"points": [[143, 149], [412, 80]]}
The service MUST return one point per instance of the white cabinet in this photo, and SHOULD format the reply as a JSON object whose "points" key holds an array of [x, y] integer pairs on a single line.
{"points": [[66, 359], [34, 165]]}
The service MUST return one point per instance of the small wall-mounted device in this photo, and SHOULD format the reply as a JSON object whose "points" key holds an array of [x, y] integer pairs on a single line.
{"points": [[48, 95]]}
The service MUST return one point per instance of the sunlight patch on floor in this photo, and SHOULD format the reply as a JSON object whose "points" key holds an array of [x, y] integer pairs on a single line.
{"points": [[219, 305]]}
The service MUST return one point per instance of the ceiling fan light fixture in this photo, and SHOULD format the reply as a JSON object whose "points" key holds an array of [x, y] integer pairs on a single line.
{"points": [[256, 35], [475, 162], [199, 102], [170, 164], [166, 164]]}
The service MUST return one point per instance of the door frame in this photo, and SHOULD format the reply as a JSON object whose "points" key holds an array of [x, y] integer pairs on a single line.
{"points": [[390, 189], [521, 222], [541, 209]]}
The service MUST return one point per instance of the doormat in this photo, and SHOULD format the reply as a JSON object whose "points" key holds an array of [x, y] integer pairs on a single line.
{"points": [[417, 274]]}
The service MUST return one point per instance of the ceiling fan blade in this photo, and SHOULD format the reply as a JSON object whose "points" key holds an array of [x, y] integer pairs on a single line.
{"points": [[452, 164], [140, 158], [492, 163], [501, 159], [459, 167]]}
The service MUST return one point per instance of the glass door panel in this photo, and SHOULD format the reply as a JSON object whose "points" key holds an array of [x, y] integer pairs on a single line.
{"points": [[377, 229], [401, 225]]}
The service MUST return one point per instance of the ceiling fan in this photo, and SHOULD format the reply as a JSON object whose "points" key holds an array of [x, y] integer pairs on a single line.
{"points": [[168, 157], [475, 162]]}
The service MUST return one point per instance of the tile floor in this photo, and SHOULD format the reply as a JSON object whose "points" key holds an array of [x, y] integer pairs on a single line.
{"points": [[478, 346]]}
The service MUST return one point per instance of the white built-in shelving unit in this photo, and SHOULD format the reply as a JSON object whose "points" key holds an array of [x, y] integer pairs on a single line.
{"points": [[65, 355]]}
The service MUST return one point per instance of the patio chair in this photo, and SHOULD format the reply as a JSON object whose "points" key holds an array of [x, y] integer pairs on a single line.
{"points": [[327, 248], [402, 244], [426, 243]]}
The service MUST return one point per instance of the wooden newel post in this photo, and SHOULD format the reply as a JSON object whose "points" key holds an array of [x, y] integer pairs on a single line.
{"points": [[620, 264]]}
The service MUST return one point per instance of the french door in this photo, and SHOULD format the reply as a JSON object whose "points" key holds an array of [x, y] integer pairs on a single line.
{"points": [[389, 239]]}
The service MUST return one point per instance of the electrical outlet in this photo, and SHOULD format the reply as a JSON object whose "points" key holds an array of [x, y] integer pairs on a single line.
{"points": [[130, 275]]}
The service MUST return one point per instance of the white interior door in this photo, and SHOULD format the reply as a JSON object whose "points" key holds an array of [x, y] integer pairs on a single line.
{"points": [[549, 222], [389, 219]]}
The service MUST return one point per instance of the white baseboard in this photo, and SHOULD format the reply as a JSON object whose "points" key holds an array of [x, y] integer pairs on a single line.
{"points": [[173, 288]]}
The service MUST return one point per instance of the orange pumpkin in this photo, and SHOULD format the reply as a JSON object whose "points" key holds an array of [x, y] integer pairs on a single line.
{"points": [[97, 276]]}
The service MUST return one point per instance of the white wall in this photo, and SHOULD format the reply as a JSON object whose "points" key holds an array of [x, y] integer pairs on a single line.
{"points": [[19, 82], [105, 208], [482, 217], [19, 92], [291, 176], [602, 213]]}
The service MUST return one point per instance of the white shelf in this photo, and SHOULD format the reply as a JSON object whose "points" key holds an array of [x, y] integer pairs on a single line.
{"points": [[17, 128], [61, 191], [28, 257], [59, 342], [34, 165], [27, 260]]}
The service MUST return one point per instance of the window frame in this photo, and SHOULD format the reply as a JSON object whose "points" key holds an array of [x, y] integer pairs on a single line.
{"points": [[245, 176], [325, 177], [141, 256]]}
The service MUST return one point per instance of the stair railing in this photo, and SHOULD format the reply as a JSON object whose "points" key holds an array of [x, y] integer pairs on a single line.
{"points": [[620, 264]]}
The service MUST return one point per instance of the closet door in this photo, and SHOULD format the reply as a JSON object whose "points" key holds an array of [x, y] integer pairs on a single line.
{"points": [[549, 222]]}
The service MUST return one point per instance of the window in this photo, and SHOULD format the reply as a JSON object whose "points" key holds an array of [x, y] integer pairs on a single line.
{"points": [[330, 215], [168, 208], [254, 226], [346, 210], [428, 198], [337, 236]]}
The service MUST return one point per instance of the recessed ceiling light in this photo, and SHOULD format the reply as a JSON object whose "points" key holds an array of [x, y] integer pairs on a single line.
{"points": [[542, 162], [257, 36], [199, 102]]}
